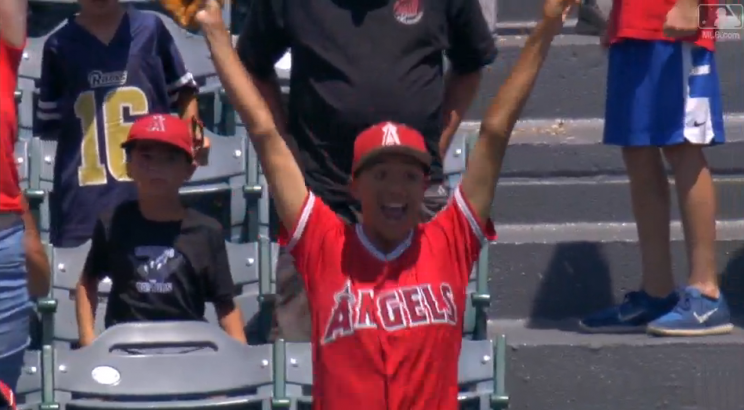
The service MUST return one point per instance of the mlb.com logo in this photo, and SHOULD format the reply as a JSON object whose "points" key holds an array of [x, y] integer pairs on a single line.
{"points": [[721, 21]]}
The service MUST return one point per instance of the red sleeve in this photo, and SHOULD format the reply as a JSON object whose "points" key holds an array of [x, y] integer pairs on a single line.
{"points": [[310, 234], [464, 232]]}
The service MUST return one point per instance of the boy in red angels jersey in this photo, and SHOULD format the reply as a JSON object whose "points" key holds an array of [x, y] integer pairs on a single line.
{"points": [[664, 102], [387, 295]]}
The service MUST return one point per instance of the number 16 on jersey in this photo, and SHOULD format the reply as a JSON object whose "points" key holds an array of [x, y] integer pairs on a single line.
{"points": [[93, 167]]}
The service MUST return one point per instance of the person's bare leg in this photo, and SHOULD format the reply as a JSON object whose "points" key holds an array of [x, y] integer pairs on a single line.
{"points": [[697, 202], [649, 192]]}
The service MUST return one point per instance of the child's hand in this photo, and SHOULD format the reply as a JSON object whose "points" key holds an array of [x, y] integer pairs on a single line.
{"points": [[201, 143], [554, 9], [201, 153]]}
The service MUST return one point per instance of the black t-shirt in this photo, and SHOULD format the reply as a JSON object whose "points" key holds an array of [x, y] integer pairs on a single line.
{"points": [[359, 62], [159, 270]]}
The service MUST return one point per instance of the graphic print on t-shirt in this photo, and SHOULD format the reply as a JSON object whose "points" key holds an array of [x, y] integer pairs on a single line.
{"points": [[392, 309], [154, 266]]}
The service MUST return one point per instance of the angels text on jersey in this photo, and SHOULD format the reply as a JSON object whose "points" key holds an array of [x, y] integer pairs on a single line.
{"points": [[391, 309]]}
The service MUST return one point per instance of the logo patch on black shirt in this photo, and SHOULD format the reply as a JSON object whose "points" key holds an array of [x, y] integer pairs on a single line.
{"points": [[155, 265]]}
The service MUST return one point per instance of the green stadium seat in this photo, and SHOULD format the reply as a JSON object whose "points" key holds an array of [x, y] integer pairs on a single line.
{"points": [[218, 189], [244, 266], [218, 373], [481, 373]]}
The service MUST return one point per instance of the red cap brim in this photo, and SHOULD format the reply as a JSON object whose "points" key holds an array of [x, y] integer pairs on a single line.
{"points": [[423, 157]]}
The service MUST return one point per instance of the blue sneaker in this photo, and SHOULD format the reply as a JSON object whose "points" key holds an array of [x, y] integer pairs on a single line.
{"points": [[694, 315], [637, 310]]}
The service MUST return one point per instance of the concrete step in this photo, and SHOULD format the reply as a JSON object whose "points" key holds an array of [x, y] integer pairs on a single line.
{"points": [[557, 148], [553, 367], [572, 82], [519, 10], [522, 28], [591, 199], [565, 271]]}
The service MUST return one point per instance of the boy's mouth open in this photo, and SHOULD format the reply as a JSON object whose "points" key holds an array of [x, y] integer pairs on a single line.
{"points": [[394, 211]]}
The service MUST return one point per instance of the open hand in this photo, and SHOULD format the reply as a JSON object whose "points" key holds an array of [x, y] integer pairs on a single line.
{"points": [[554, 9]]}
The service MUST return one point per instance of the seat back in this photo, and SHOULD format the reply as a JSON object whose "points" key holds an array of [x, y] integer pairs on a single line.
{"points": [[217, 189], [29, 387], [29, 72], [455, 160], [193, 47], [244, 266], [20, 155], [299, 373], [40, 178], [244, 263], [476, 374], [209, 364], [479, 374], [68, 264]]}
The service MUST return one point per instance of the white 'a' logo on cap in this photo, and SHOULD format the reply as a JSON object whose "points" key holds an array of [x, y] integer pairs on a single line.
{"points": [[390, 135], [157, 124]]}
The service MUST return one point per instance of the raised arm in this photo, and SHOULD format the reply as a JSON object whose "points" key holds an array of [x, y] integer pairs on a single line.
{"points": [[13, 22], [484, 163], [285, 180]]}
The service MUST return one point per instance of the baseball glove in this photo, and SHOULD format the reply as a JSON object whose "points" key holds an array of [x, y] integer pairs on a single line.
{"points": [[184, 11]]}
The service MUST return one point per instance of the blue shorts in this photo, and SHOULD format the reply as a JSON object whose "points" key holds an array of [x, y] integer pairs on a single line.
{"points": [[662, 93], [15, 305]]}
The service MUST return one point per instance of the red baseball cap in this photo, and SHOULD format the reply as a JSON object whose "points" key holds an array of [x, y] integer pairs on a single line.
{"points": [[389, 138], [164, 128]]}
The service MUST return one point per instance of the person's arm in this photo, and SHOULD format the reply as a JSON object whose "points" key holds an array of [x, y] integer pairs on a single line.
{"points": [[285, 180], [484, 163], [51, 89], [13, 22], [231, 321], [261, 43], [471, 49], [220, 290], [86, 291], [37, 263]]}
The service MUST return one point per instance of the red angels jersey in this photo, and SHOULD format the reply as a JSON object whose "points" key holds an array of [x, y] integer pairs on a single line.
{"points": [[7, 398], [644, 20], [10, 193], [387, 327]]}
